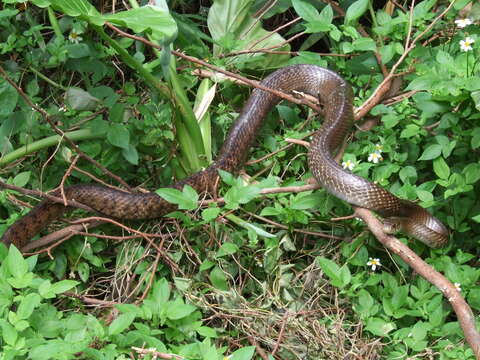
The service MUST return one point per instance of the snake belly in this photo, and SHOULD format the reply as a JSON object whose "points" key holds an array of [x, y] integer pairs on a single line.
{"points": [[335, 95]]}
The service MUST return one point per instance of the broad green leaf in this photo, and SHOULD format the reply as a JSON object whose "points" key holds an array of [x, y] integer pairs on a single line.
{"points": [[305, 10], [354, 11], [233, 27], [245, 353], [431, 152], [441, 168], [79, 99], [161, 291], [62, 286], [186, 199], [476, 98], [227, 248], [339, 276], [364, 44], [21, 179], [206, 331], [122, 322], [118, 136], [16, 265], [152, 19], [218, 279], [210, 214], [27, 305], [8, 98], [178, 310], [425, 196], [131, 154], [474, 298], [472, 173], [379, 327], [9, 334]]}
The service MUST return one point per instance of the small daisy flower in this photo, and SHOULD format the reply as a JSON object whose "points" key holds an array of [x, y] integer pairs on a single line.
{"points": [[74, 37], [458, 286], [466, 45], [62, 108], [461, 23], [378, 148], [375, 157], [349, 164], [374, 263]]}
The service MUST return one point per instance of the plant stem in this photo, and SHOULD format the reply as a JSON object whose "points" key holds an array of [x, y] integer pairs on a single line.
{"points": [[78, 135]]}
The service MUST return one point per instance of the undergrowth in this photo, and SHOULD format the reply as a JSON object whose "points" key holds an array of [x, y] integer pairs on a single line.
{"points": [[251, 273]]}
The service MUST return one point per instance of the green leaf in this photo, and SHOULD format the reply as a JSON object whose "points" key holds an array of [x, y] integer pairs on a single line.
{"points": [[131, 154], [305, 10], [9, 334], [472, 173], [431, 152], [122, 322], [27, 305], [474, 298], [441, 168], [227, 248], [62, 286], [339, 276], [210, 214], [8, 98], [424, 195], [379, 327], [21, 179], [249, 226], [79, 99], [354, 11], [476, 98], [118, 136], [233, 27], [16, 265], [218, 279], [245, 353], [364, 44], [178, 310], [186, 199], [206, 331], [151, 19]]}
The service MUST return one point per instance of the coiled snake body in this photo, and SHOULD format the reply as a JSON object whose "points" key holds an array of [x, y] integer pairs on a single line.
{"points": [[335, 95]]}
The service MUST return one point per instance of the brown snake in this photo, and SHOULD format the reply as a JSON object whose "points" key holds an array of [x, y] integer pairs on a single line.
{"points": [[335, 95]]}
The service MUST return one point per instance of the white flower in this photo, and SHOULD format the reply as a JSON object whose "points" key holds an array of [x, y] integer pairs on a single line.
{"points": [[62, 108], [378, 148], [349, 164], [458, 286], [461, 23], [374, 263], [375, 157], [466, 45], [74, 37]]}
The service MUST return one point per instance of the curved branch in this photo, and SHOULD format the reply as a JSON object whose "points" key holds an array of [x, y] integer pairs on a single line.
{"points": [[459, 305]]}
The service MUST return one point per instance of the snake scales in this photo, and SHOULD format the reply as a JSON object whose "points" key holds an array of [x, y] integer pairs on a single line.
{"points": [[336, 97]]}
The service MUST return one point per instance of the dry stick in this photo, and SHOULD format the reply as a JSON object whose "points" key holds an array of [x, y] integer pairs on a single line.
{"points": [[64, 178], [61, 234], [383, 86], [47, 118], [156, 354], [459, 305], [218, 69], [91, 301], [52, 198]]}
